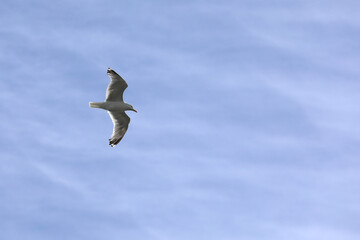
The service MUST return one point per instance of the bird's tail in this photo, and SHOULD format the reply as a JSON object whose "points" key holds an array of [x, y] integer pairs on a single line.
{"points": [[95, 104]]}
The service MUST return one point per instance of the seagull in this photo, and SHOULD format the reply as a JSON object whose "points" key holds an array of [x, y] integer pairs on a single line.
{"points": [[115, 106]]}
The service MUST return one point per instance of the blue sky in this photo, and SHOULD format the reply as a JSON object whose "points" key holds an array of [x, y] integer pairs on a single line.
{"points": [[248, 123]]}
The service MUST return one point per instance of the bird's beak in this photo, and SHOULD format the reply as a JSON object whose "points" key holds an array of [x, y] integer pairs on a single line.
{"points": [[134, 110]]}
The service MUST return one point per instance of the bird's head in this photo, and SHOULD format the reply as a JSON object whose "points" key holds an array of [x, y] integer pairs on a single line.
{"points": [[131, 108]]}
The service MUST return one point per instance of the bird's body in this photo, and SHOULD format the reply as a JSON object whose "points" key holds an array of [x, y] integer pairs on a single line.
{"points": [[111, 106], [115, 106]]}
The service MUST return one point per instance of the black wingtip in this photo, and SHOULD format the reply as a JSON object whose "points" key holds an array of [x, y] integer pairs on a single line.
{"points": [[109, 70], [114, 142]]}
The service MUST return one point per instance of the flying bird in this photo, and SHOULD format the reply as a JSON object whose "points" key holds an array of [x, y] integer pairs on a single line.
{"points": [[115, 106]]}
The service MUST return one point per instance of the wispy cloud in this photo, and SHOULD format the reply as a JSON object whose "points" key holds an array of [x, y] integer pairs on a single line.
{"points": [[247, 123]]}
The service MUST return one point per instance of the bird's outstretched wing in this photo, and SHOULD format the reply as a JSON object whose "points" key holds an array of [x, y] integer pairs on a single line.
{"points": [[121, 122], [116, 88]]}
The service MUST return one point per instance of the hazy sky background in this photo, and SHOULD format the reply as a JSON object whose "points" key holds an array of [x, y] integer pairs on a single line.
{"points": [[248, 123]]}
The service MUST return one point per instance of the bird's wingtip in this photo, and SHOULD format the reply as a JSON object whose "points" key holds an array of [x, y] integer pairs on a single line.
{"points": [[109, 70]]}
